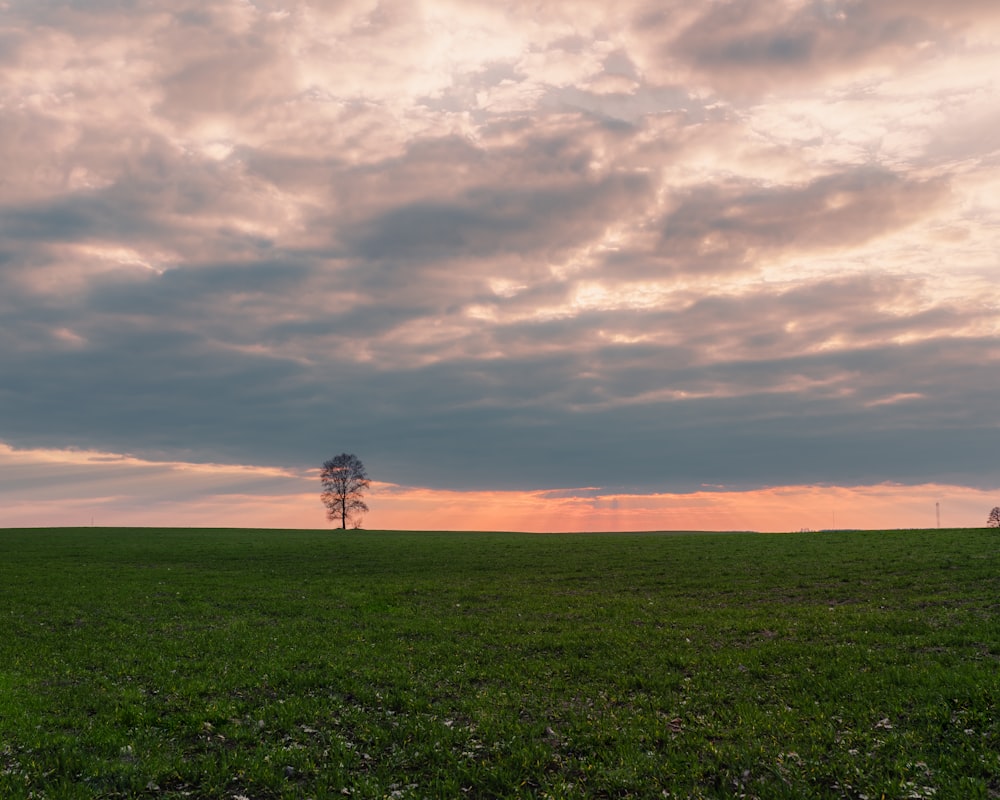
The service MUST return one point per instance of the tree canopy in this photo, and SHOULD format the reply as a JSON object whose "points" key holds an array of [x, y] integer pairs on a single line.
{"points": [[344, 481]]}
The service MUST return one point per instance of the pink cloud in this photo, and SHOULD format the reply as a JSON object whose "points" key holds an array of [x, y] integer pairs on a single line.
{"points": [[572, 235]]}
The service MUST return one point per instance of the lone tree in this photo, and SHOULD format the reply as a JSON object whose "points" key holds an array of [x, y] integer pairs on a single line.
{"points": [[994, 518], [344, 480]]}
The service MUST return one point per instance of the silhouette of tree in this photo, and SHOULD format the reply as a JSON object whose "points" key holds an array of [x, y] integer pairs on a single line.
{"points": [[344, 480], [994, 518]]}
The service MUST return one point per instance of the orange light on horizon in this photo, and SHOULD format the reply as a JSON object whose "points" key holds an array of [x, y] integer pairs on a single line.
{"points": [[77, 488], [785, 508]]}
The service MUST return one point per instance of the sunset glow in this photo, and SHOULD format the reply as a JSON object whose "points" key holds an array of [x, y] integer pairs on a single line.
{"points": [[79, 489]]}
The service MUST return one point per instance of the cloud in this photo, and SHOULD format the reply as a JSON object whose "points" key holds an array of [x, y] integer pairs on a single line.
{"points": [[729, 227], [487, 222], [747, 48], [514, 248]]}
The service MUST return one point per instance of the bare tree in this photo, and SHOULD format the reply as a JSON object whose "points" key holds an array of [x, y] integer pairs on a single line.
{"points": [[344, 480], [994, 518]]}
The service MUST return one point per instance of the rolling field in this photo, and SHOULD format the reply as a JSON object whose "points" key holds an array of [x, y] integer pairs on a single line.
{"points": [[251, 665]]}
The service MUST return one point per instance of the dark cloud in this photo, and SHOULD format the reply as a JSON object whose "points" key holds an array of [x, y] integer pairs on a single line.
{"points": [[486, 221], [745, 48], [720, 406], [758, 35], [723, 226]]}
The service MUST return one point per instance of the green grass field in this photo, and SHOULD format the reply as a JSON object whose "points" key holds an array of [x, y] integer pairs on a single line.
{"points": [[306, 664]]}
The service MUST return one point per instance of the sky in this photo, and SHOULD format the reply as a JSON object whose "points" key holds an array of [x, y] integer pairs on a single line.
{"points": [[546, 266]]}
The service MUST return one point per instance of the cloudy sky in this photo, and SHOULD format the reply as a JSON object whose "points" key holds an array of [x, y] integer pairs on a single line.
{"points": [[542, 266]]}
